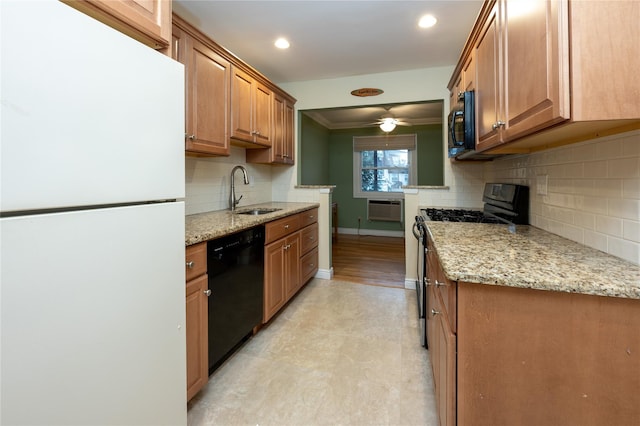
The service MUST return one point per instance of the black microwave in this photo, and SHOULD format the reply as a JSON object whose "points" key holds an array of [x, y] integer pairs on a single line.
{"points": [[462, 125]]}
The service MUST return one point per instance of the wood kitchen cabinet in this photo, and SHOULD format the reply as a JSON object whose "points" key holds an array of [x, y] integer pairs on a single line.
{"points": [[251, 110], [291, 258], [148, 21], [505, 355], [197, 318], [230, 103], [552, 73], [441, 314], [522, 76], [281, 151], [207, 92]]}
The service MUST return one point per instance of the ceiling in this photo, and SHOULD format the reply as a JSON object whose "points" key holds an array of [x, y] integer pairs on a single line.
{"points": [[355, 117], [333, 39]]}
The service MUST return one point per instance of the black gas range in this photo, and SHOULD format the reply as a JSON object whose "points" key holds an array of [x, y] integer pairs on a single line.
{"points": [[503, 203]]}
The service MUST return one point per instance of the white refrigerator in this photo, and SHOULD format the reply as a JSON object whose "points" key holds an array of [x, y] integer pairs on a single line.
{"points": [[92, 317]]}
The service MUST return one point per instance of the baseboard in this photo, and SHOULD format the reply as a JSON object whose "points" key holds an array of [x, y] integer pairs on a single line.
{"points": [[410, 283], [374, 232], [325, 274]]}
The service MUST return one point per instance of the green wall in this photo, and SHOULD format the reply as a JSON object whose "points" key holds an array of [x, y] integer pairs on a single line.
{"points": [[314, 152], [327, 158]]}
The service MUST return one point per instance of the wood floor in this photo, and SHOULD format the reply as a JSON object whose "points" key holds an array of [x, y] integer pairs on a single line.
{"points": [[368, 259]]}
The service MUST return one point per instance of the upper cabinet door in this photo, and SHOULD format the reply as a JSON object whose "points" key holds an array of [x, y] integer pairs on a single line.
{"points": [[263, 114], [251, 110], [148, 21], [487, 86], [536, 65], [241, 105], [207, 102]]}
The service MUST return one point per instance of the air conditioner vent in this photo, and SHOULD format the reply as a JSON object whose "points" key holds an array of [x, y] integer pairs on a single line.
{"points": [[385, 210]]}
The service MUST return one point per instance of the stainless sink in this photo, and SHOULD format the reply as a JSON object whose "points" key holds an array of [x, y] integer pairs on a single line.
{"points": [[257, 211]]}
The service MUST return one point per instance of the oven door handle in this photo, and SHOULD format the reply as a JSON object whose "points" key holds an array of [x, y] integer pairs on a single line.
{"points": [[416, 231]]}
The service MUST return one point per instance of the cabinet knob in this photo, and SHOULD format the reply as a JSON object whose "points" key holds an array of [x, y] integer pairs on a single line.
{"points": [[498, 124], [286, 227], [190, 264], [439, 284], [207, 292], [434, 312], [427, 281], [191, 137]]}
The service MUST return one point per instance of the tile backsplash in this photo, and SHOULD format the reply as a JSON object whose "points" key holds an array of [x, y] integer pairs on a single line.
{"points": [[208, 182], [587, 192]]}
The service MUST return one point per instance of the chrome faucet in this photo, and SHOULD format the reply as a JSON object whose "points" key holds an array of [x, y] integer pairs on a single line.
{"points": [[233, 202]]}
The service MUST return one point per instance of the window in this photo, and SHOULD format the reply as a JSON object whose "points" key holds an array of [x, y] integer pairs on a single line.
{"points": [[382, 165]]}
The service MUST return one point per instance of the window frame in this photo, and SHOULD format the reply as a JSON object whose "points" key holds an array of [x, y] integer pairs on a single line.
{"points": [[379, 143]]}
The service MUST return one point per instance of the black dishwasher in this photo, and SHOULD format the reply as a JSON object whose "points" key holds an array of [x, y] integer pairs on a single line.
{"points": [[235, 265]]}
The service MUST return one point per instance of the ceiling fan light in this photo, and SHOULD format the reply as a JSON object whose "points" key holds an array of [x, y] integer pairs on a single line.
{"points": [[388, 124], [282, 43], [427, 21]]}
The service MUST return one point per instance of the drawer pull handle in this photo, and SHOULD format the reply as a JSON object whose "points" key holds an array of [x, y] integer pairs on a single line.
{"points": [[207, 292], [190, 264], [434, 312]]}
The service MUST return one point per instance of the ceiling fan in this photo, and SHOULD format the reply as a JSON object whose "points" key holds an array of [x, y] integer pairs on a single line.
{"points": [[388, 122]]}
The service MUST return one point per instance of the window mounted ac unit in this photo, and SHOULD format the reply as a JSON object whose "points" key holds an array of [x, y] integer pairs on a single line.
{"points": [[384, 210]]}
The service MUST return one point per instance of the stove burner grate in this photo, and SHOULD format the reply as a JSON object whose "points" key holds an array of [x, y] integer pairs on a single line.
{"points": [[459, 215]]}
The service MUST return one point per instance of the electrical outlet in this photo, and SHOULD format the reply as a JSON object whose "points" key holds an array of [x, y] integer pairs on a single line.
{"points": [[542, 184]]}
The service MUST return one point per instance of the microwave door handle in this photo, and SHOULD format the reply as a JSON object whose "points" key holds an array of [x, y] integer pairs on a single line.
{"points": [[452, 125]]}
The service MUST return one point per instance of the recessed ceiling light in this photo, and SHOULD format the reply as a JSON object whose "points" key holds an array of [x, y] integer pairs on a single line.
{"points": [[282, 43], [427, 21]]}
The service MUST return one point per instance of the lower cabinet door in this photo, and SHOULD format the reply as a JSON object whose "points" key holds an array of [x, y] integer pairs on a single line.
{"points": [[274, 278], [292, 265], [197, 334]]}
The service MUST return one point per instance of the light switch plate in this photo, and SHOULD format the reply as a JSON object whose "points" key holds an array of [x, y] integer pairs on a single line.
{"points": [[542, 184]]}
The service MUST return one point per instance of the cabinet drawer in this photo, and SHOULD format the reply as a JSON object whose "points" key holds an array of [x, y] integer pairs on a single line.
{"points": [[309, 237], [281, 227], [308, 217], [308, 265], [196, 263], [448, 293]]}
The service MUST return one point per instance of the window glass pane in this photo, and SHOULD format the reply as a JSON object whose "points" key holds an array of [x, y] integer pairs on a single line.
{"points": [[384, 171], [393, 158], [368, 180], [368, 158]]}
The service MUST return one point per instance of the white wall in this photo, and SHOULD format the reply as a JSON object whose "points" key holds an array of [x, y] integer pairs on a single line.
{"points": [[593, 191], [208, 182], [402, 86]]}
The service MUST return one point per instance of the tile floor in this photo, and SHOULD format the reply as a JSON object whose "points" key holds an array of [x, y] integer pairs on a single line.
{"points": [[339, 354]]}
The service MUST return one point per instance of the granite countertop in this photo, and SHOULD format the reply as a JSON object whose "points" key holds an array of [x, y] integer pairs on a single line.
{"points": [[207, 226], [530, 258]]}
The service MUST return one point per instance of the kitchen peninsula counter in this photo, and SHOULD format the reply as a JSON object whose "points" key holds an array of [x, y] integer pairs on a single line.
{"points": [[530, 258], [207, 226]]}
